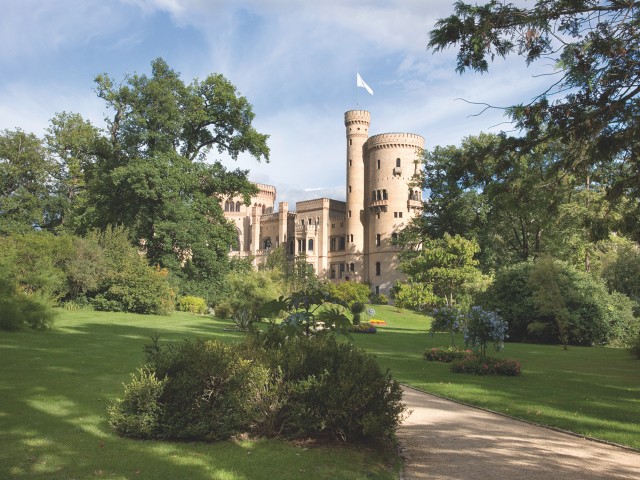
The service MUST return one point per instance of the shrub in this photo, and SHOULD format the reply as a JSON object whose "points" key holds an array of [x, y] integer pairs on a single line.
{"points": [[269, 384], [634, 348], [19, 310], [379, 299], [549, 301], [349, 291], [446, 354], [486, 366], [207, 390], [334, 388], [138, 414], [223, 310], [192, 304]]}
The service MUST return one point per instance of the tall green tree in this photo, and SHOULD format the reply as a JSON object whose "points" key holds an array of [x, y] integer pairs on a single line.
{"points": [[516, 205], [443, 265], [155, 177], [73, 143], [593, 105], [26, 174]]}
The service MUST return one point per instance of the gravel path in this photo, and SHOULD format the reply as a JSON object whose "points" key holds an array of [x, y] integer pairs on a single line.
{"points": [[444, 440]]}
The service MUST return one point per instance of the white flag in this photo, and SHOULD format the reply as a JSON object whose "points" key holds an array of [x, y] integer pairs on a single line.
{"points": [[360, 83]]}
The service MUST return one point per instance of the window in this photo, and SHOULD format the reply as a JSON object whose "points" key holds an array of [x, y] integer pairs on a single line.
{"points": [[352, 267], [377, 290], [310, 247], [400, 214], [398, 162], [395, 214], [342, 243], [377, 271], [378, 240], [373, 196], [349, 213], [237, 206], [266, 243], [384, 195], [350, 162], [378, 164], [378, 215], [350, 143], [394, 237], [351, 238], [332, 244], [349, 188], [226, 206], [340, 269]]}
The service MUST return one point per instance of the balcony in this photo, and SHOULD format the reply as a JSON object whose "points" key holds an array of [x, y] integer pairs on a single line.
{"points": [[378, 203], [414, 204], [306, 228]]}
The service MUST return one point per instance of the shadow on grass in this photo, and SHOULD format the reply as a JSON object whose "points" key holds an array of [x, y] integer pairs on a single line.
{"points": [[55, 388]]}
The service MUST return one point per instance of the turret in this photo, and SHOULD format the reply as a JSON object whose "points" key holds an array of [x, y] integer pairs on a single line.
{"points": [[357, 131]]}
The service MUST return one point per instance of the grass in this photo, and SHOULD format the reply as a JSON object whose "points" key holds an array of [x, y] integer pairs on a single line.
{"points": [[593, 391], [55, 386]]}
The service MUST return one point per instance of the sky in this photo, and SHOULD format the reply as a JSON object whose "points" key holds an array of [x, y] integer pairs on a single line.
{"points": [[294, 60]]}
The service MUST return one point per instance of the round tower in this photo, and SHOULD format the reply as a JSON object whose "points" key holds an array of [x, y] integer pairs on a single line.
{"points": [[392, 160], [357, 130]]}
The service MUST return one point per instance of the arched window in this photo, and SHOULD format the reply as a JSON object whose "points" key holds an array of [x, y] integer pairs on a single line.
{"points": [[378, 237], [384, 195], [378, 269], [378, 164], [238, 206], [226, 206], [310, 247], [394, 237], [232, 207], [398, 161]]}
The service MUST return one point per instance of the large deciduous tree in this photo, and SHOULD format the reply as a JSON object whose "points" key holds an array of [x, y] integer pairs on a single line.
{"points": [[593, 104], [154, 177], [26, 174]]}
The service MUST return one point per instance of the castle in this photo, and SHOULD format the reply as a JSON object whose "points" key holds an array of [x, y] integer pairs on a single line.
{"points": [[352, 240]]}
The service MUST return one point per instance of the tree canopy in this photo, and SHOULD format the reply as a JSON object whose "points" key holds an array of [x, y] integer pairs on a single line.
{"points": [[593, 104]]}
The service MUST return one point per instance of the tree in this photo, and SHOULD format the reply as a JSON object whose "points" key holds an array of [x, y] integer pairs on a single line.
{"points": [[73, 143], [25, 182], [443, 265], [594, 47], [153, 177], [516, 204]]}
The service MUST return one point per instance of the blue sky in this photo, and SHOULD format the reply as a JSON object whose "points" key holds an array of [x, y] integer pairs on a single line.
{"points": [[294, 60]]}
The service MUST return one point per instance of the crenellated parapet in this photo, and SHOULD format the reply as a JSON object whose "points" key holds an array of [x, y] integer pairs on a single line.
{"points": [[395, 140]]}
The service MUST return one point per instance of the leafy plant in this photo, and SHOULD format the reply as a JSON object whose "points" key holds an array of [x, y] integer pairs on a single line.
{"points": [[446, 354], [486, 366], [193, 304], [482, 327], [447, 319]]}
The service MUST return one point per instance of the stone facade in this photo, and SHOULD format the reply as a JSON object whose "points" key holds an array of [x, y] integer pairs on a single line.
{"points": [[343, 240]]}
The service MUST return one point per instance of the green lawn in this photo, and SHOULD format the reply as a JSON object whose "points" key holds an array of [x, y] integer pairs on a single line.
{"points": [[593, 391], [55, 386]]}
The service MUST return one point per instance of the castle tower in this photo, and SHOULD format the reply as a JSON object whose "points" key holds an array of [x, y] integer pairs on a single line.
{"points": [[391, 160], [357, 130]]}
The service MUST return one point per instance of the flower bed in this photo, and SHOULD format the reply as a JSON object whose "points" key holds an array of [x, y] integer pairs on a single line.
{"points": [[486, 366], [364, 327], [377, 323], [446, 354]]}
